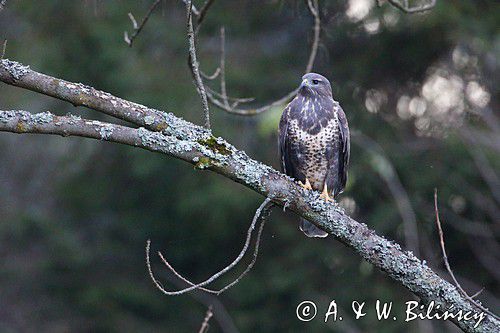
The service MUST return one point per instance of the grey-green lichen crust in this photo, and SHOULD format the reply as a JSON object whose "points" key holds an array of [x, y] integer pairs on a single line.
{"points": [[15, 69]]}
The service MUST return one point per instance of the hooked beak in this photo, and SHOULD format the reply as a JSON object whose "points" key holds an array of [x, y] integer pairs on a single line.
{"points": [[305, 84]]}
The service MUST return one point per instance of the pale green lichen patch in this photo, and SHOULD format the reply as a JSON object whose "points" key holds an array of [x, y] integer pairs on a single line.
{"points": [[215, 144], [6, 116], [105, 131], [203, 163], [149, 120], [43, 118]]}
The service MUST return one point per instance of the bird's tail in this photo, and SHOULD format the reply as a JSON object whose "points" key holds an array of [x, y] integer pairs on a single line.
{"points": [[310, 230]]}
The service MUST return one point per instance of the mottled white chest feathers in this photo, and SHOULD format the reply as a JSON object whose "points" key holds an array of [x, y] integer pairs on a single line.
{"points": [[312, 149]]}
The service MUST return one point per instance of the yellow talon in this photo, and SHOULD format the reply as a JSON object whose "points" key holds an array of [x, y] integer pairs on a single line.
{"points": [[324, 195], [307, 185]]}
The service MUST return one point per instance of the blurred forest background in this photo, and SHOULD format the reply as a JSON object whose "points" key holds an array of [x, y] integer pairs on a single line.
{"points": [[420, 93]]}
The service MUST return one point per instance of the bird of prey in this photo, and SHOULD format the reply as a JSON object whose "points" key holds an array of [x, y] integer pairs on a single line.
{"points": [[314, 142]]}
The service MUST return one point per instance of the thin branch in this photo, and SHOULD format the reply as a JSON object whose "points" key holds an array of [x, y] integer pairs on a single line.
{"points": [[220, 312], [4, 48], [202, 13], [479, 292], [195, 11], [194, 65], [221, 102], [178, 275], [447, 264], [137, 29], [314, 9], [205, 325], [252, 111], [211, 77], [217, 275], [404, 7], [265, 211], [234, 99], [167, 134], [222, 67]]}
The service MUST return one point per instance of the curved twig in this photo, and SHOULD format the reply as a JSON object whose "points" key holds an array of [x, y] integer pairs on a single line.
{"points": [[222, 102], [258, 213], [234, 99], [138, 28], [314, 9], [252, 112], [211, 77], [202, 13]]}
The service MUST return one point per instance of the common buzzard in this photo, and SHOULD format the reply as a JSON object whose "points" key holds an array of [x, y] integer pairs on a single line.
{"points": [[314, 142]]}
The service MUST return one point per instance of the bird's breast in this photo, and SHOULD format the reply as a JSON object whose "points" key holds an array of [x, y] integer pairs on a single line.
{"points": [[311, 149]]}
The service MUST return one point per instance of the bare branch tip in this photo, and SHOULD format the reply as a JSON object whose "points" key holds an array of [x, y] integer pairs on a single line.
{"points": [[138, 27]]}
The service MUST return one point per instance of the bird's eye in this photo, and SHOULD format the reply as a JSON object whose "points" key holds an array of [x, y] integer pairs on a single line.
{"points": [[315, 81]]}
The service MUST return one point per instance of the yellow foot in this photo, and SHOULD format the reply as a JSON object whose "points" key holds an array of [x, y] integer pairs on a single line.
{"points": [[324, 195], [307, 184]]}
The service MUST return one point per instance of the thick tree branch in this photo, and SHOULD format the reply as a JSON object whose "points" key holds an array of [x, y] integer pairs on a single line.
{"points": [[194, 144]]}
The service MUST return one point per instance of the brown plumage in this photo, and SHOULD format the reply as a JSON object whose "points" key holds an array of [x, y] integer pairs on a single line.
{"points": [[314, 142]]}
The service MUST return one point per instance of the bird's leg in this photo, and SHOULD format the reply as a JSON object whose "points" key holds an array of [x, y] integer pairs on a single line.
{"points": [[306, 185], [324, 195]]}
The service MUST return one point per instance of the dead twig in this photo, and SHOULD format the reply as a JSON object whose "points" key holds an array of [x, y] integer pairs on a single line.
{"points": [[234, 99], [205, 325], [4, 48], [202, 13], [448, 267], [138, 28], [221, 99], [211, 77], [260, 214], [194, 65], [222, 67], [195, 11], [314, 9]]}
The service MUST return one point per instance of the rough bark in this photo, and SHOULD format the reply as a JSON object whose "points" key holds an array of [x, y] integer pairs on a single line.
{"points": [[165, 133]]}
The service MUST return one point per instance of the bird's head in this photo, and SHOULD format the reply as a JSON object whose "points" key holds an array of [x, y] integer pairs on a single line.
{"points": [[315, 84]]}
